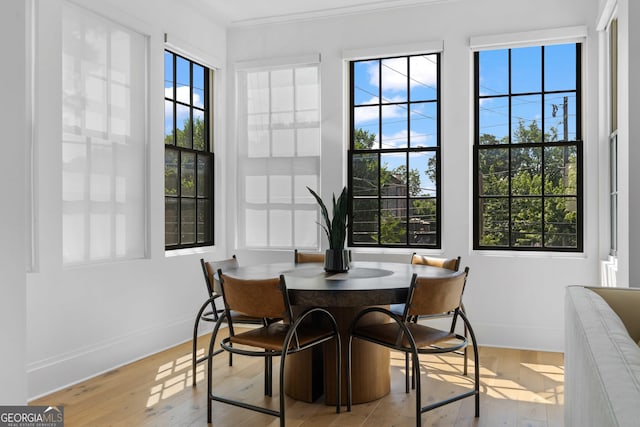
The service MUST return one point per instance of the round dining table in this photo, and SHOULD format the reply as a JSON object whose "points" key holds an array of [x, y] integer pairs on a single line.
{"points": [[310, 374]]}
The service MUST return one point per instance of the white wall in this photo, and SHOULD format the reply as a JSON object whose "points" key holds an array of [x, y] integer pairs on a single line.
{"points": [[14, 122], [85, 320], [514, 299]]}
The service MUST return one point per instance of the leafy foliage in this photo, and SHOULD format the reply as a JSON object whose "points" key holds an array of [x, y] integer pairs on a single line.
{"points": [[383, 221], [184, 138], [543, 195]]}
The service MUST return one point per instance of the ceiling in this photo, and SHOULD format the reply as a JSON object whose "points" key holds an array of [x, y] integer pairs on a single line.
{"points": [[253, 12]]}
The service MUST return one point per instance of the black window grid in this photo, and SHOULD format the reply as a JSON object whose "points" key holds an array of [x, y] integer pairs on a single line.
{"points": [[435, 237], [510, 146], [203, 235]]}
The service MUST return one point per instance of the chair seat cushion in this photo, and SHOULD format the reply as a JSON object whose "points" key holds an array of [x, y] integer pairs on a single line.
{"points": [[238, 317], [391, 334], [272, 337]]}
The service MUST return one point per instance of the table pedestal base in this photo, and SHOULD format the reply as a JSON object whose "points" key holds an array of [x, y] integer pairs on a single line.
{"points": [[308, 373]]}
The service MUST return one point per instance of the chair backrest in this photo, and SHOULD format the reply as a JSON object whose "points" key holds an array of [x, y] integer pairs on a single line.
{"points": [[210, 271], [430, 295], [452, 264], [303, 257], [260, 298]]}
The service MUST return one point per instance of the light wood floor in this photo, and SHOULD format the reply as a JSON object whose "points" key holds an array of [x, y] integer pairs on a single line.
{"points": [[518, 388]]}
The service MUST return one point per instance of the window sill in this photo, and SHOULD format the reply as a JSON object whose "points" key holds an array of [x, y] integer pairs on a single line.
{"points": [[529, 254], [188, 251]]}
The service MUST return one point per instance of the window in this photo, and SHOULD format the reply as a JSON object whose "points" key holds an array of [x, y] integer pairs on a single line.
{"points": [[188, 160], [528, 149], [279, 155], [394, 156], [104, 139]]}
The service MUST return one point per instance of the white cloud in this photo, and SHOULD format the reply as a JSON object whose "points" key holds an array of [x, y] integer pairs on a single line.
{"points": [[182, 93], [400, 139], [394, 73], [364, 115], [396, 140]]}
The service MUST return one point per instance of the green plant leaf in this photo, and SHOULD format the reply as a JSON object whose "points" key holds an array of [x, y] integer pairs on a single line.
{"points": [[325, 214], [336, 229]]}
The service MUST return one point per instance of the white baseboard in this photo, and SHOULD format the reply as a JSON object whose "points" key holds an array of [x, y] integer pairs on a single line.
{"points": [[519, 336], [49, 375]]}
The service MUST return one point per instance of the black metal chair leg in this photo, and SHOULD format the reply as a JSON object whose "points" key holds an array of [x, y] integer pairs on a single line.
{"points": [[349, 393], [210, 355], [268, 376], [466, 352], [194, 358], [416, 373], [339, 375], [194, 350], [407, 373]]}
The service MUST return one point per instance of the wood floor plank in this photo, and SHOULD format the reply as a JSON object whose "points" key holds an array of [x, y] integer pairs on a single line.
{"points": [[518, 388]]}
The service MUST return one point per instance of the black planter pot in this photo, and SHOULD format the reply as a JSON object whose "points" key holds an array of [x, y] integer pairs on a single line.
{"points": [[337, 260]]}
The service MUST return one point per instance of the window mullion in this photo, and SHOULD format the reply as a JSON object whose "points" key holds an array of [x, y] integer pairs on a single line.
{"points": [[543, 205], [407, 156], [196, 208], [510, 166], [379, 148]]}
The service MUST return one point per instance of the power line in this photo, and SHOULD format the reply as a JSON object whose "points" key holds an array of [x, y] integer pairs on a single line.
{"points": [[409, 77]]}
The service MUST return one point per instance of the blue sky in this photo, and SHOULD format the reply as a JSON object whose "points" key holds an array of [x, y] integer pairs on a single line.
{"points": [[399, 80], [494, 114], [526, 65], [183, 80]]}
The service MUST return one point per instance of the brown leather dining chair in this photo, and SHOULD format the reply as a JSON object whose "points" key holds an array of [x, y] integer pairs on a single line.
{"points": [[307, 257], [452, 264], [210, 312], [268, 298], [426, 297]]}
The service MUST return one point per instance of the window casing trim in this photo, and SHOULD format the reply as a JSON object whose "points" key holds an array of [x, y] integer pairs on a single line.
{"points": [[191, 52], [420, 48], [577, 34], [279, 62]]}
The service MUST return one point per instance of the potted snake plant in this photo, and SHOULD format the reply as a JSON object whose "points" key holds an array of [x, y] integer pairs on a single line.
{"points": [[336, 257]]}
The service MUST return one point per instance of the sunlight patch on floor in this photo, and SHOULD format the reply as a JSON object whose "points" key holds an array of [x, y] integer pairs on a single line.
{"points": [[449, 368], [174, 376], [553, 372]]}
